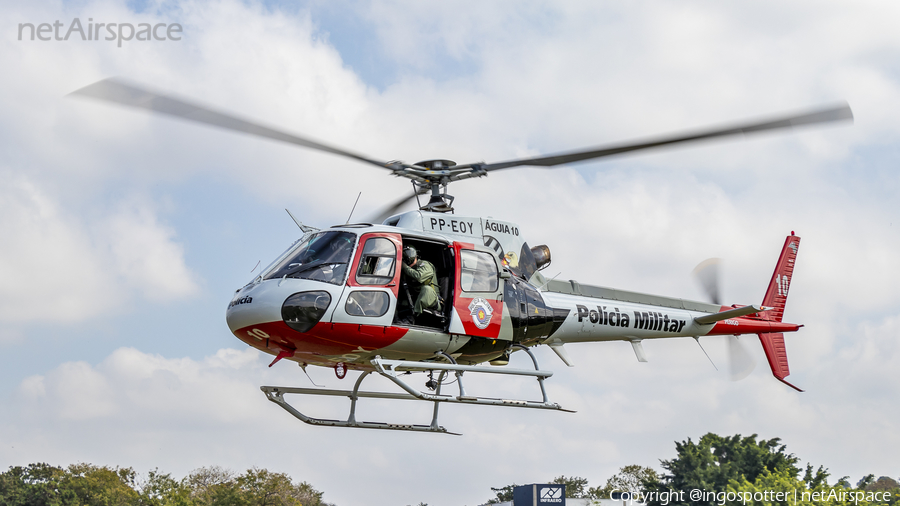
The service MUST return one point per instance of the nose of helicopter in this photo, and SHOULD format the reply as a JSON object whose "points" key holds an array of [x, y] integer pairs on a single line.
{"points": [[279, 308], [252, 305]]}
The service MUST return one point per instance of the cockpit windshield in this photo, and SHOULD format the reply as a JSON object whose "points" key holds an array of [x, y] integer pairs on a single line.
{"points": [[323, 257]]}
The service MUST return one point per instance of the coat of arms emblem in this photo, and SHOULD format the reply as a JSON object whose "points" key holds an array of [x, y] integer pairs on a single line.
{"points": [[481, 312]]}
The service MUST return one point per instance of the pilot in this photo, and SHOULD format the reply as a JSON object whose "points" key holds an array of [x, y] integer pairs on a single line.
{"points": [[338, 250], [332, 257], [422, 281]]}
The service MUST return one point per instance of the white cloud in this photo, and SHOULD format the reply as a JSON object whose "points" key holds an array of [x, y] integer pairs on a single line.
{"points": [[57, 269], [48, 266], [144, 254], [132, 400]]}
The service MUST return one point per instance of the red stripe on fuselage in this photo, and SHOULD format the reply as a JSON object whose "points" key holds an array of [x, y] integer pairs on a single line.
{"points": [[323, 339]]}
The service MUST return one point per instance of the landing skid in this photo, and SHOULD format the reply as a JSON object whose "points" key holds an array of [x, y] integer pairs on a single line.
{"points": [[391, 369]]}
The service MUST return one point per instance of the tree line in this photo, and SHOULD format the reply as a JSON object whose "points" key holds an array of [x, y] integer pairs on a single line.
{"points": [[731, 470], [728, 469], [90, 485]]}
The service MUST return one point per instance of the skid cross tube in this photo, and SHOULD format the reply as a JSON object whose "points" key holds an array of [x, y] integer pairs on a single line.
{"points": [[392, 369], [534, 360], [276, 395]]}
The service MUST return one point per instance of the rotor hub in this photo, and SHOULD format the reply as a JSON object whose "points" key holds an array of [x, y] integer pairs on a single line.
{"points": [[440, 201], [436, 164]]}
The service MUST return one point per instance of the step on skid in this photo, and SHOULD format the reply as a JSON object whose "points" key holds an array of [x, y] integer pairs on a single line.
{"points": [[393, 369]]}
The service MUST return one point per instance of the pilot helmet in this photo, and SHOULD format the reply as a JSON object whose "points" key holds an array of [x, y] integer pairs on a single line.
{"points": [[338, 248], [341, 242], [409, 255]]}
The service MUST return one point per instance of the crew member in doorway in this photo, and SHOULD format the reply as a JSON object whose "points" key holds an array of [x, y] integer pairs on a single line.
{"points": [[422, 281]]}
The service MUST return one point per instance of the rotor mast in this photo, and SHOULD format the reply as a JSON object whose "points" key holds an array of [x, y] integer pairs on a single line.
{"points": [[436, 179]]}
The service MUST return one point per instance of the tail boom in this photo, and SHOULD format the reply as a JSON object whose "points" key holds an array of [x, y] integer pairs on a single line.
{"points": [[751, 326]]}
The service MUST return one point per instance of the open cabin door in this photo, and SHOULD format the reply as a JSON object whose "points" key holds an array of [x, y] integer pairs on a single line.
{"points": [[478, 297]]}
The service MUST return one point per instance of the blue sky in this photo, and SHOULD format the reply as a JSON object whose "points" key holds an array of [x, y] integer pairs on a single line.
{"points": [[126, 234]]}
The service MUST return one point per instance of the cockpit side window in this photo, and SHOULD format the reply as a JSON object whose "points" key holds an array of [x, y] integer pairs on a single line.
{"points": [[323, 257], [479, 272], [377, 264]]}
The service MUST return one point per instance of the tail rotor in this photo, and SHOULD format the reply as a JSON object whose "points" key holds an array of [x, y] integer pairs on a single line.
{"points": [[740, 361]]}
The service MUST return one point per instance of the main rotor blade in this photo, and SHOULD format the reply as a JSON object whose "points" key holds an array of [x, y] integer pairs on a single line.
{"points": [[116, 91], [392, 209], [838, 113]]}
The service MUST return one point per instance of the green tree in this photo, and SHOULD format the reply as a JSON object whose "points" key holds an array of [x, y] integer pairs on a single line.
{"points": [[778, 488], [228, 494], [714, 461], [865, 481], [814, 480], [631, 479], [265, 488], [804, 492], [886, 484], [36, 485], [208, 483], [576, 486], [162, 490], [101, 485], [503, 494], [89, 485], [883, 483], [309, 496]]}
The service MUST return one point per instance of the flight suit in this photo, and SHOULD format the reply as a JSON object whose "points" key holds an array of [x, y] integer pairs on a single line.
{"points": [[422, 284]]}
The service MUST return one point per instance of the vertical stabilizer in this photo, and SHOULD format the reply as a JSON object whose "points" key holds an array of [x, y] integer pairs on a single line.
{"points": [[776, 295]]}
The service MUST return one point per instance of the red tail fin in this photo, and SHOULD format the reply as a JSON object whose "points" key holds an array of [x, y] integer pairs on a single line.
{"points": [[776, 297]]}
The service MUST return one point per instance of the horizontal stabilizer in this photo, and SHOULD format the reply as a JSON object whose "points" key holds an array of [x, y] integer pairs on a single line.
{"points": [[776, 353], [731, 313]]}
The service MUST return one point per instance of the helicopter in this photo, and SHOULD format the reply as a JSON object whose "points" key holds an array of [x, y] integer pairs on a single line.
{"points": [[338, 297]]}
